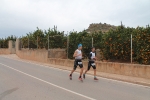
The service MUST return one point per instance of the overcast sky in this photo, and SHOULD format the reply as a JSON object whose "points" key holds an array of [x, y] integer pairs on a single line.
{"points": [[18, 17]]}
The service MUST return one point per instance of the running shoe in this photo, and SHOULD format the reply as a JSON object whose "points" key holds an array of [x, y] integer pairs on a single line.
{"points": [[80, 79], [70, 76], [95, 78]]}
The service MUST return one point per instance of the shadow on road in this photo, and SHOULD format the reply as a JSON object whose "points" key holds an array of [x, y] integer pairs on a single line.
{"points": [[2, 95]]}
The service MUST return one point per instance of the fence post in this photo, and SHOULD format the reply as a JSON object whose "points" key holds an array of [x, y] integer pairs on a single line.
{"points": [[28, 42], [131, 48], [48, 41], [67, 44], [92, 41], [37, 42], [3, 43], [21, 42]]}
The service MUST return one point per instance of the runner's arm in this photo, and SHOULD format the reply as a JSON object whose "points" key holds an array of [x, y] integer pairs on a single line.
{"points": [[90, 55], [75, 54]]}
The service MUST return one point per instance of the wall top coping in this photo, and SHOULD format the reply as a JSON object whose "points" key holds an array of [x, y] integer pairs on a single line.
{"points": [[106, 62]]}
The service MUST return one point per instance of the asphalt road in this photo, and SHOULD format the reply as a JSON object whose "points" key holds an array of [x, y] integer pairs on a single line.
{"points": [[21, 80]]}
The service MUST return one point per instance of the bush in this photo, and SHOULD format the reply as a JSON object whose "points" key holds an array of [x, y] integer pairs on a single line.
{"points": [[86, 40], [4, 42], [114, 44]]}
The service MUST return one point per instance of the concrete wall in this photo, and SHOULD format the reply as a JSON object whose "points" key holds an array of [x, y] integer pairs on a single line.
{"points": [[9, 50], [57, 53], [4, 51], [135, 70], [36, 55], [39, 55], [12, 49]]}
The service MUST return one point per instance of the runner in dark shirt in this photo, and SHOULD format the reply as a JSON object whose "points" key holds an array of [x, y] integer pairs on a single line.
{"points": [[92, 58]]}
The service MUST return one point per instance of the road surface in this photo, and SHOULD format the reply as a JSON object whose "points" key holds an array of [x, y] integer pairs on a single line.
{"points": [[21, 80]]}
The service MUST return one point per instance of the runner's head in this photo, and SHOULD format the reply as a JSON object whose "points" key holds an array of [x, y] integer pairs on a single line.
{"points": [[93, 49], [79, 46]]}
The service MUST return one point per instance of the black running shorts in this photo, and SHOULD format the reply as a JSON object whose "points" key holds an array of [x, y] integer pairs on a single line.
{"points": [[78, 62], [91, 63]]}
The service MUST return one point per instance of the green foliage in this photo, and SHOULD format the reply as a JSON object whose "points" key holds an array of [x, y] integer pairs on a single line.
{"points": [[86, 40], [114, 44], [142, 48], [39, 39], [117, 44], [4, 42]]}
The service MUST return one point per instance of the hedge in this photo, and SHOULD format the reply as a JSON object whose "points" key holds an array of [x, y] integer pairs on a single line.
{"points": [[114, 44], [4, 41]]}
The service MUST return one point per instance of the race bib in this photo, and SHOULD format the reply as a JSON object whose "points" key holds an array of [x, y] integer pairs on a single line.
{"points": [[93, 64], [79, 63]]}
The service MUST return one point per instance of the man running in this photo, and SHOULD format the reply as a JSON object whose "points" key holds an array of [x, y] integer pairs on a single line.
{"points": [[78, 61], [92, 58]]}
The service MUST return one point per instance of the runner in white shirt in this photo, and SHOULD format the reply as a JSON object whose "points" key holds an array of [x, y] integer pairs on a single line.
{"points": [[77, 62], [92, 58]]}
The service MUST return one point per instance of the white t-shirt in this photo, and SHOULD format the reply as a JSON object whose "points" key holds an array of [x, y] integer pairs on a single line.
{"points": [[78, 53]]}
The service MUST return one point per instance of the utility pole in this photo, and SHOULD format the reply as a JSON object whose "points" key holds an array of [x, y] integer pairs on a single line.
{"points": [[131, 48], [67, 44], [48, 41], [92, 41], [37, 42], [28, 42]]}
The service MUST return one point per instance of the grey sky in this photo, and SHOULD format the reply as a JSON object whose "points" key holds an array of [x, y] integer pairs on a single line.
{"points": [[18, 17]]}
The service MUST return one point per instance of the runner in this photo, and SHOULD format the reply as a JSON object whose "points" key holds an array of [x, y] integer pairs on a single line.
{"points": [[92, 58], [77, 62]]}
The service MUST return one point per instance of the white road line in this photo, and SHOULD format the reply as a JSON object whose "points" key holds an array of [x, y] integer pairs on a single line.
{"points": [[49, 83], [31, 62]]}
